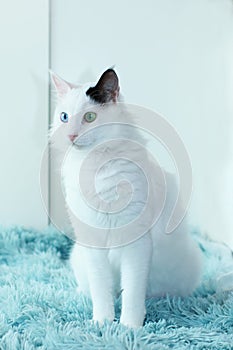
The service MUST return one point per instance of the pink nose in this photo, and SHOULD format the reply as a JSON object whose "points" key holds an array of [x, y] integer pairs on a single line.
{"points": [[72, 137]]}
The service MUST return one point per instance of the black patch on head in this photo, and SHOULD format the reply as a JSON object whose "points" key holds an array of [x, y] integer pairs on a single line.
{"points": [[107, 88]]}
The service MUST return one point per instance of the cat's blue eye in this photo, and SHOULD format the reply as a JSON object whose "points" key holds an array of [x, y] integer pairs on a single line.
{"points": [[64, 117], [90, 116]]}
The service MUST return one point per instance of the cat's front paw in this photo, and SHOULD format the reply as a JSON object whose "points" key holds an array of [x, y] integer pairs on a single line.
{"points": [[132, 320], [101, 321], [100, 318], [131, 323]]}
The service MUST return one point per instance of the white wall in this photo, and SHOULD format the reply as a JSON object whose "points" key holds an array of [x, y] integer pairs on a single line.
{"points": [[172, 56], [24, 109]]}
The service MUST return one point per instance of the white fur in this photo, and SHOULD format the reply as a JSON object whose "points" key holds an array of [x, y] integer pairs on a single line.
{"points": [[153, 265]]}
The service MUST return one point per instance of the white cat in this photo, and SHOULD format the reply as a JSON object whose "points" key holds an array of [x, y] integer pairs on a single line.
{"points": [[152, 265]]}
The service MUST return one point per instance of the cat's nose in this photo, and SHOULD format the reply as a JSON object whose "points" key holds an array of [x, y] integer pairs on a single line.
{"points": [[72, 137]]}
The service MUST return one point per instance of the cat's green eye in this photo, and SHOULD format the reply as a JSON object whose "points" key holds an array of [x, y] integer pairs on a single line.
{"points": [[90, 116]]}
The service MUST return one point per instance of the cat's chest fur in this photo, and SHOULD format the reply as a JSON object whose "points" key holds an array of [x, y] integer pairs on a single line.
{"points": [[118, 182]]}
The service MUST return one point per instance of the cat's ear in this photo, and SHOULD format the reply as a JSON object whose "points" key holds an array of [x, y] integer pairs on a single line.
{"points": [[107, 88], [62, 86]]}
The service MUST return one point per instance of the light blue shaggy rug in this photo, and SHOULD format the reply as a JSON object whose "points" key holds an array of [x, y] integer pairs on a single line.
{"points": [[40, 308]]}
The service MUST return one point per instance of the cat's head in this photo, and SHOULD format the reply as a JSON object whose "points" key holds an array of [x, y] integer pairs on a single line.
{"points": [[82, 107]]}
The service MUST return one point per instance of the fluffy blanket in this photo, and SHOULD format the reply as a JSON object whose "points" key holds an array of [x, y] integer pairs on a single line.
{"points": [[40, 309]]}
